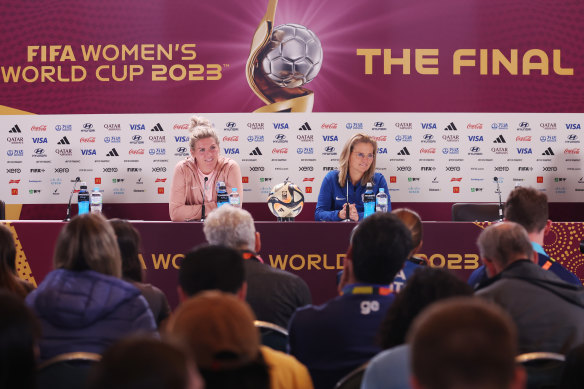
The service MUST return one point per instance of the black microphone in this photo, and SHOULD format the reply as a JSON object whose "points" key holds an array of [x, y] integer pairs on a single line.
{"points": [[203, 207], [498, 191], [347, 218], [68, 217]]}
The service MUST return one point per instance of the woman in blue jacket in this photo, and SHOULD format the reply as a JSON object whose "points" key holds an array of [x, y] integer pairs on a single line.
{"points": [[83, 305], [356, 169]]}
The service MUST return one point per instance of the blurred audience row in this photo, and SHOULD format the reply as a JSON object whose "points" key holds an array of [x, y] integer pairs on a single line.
{"points": [[94, 323]]}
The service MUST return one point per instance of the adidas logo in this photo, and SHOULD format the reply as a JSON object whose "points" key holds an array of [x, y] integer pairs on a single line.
{"points": [[112, 153], [256, 151], [499, 139], [451, 127], [15, 130], [305, 127], [548, 151], [157, 127], [64, 141], [404, 151]]}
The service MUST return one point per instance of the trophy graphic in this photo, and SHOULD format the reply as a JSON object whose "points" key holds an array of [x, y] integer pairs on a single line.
{"points": [[281, 60]]}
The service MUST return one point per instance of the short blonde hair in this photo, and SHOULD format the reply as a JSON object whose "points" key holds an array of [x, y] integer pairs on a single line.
{"points": [[88, 242], [346, 153], [201, 128]]}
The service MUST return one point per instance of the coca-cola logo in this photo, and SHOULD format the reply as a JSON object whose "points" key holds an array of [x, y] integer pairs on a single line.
{"points": [[523, 138], [477, 126], [180, 127], [572, 151], [87, 140], [234, 138], [39, 128], [283, 150], [329, 126], [382, 138], [431, 150], [136, 151]]}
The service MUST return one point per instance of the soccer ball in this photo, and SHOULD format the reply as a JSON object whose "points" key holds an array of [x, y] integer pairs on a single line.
{"points": [[286, 201], [293, 56]]}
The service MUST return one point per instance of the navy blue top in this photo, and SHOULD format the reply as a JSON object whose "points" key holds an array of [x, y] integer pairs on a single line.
{"points": [[334, 338], [332, 197]]}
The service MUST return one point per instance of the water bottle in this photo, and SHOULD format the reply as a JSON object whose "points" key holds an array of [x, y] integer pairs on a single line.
{"points": [[381, 201], [368, 201], [234, 198], [83, 199], [96, 200], [222, 196]]}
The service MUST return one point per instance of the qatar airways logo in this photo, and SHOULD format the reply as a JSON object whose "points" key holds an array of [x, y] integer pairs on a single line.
{"points": [[283, 150], [234, 138], [430, 150], [90, 139]]}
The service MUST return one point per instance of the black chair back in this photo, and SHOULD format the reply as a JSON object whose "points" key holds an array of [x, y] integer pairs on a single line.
{"points": [[353, 379], [475, 212], [544, 369], [273, 335]]}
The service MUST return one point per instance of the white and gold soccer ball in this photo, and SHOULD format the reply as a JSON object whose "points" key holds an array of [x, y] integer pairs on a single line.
{"points": [[286, 201]]}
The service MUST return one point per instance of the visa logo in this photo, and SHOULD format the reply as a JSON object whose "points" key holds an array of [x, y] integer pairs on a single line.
{"points": [[181, 138], [572, 126], [137, 127], [280, 126], [39, 140], [382, 150], [524, 150], [88, 152], [330, 138], [475, 138], [231, 150], [428, 126]]}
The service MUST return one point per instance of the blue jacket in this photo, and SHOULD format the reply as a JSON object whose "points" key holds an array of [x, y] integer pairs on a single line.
{"points": [[332, 197], [87, 311]]}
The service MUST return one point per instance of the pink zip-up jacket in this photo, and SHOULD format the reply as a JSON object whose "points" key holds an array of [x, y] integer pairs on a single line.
{"points": [[187, 193]]}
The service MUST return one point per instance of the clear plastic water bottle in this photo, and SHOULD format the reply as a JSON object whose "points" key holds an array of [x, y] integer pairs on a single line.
{"points": [[83, 199], [381, 201], [96, 200], [368, 201], [234, 199], [222, 196]]}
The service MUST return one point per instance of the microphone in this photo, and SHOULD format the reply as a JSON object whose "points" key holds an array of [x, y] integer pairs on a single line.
{"points": [[498, 191], [68, 217], [347, 218], [203, 207]]}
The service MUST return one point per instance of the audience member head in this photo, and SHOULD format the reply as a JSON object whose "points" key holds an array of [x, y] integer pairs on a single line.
{"points": [[464, 343], [219, 329], [413, 222], [19, 333], [426, 286], [380, 245], [528, 207], [88, 242], [129, 243], [346, 156], [145, 363], [211, 267], [8, 278], [232, 227], [502, 244]]}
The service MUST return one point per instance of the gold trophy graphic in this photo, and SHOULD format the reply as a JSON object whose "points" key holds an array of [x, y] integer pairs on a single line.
{"points": [[281, 60]]}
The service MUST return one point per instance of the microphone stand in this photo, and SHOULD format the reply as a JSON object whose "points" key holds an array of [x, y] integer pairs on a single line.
{"points": [[498, 191], [68, 217]]}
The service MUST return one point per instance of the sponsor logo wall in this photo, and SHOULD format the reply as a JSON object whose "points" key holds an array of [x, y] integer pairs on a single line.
{"points": [[437, 157]]}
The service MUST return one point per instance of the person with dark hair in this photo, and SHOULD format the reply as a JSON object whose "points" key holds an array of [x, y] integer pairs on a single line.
{"points": [[219, 330], [129, 242], [548, 312], [145, 363], [528, 207], [356, 169], [464, 342], [334, 338], [19, 334], [390, 368], [9, 280], [413, 221], [209, 267], [83, 305]]}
